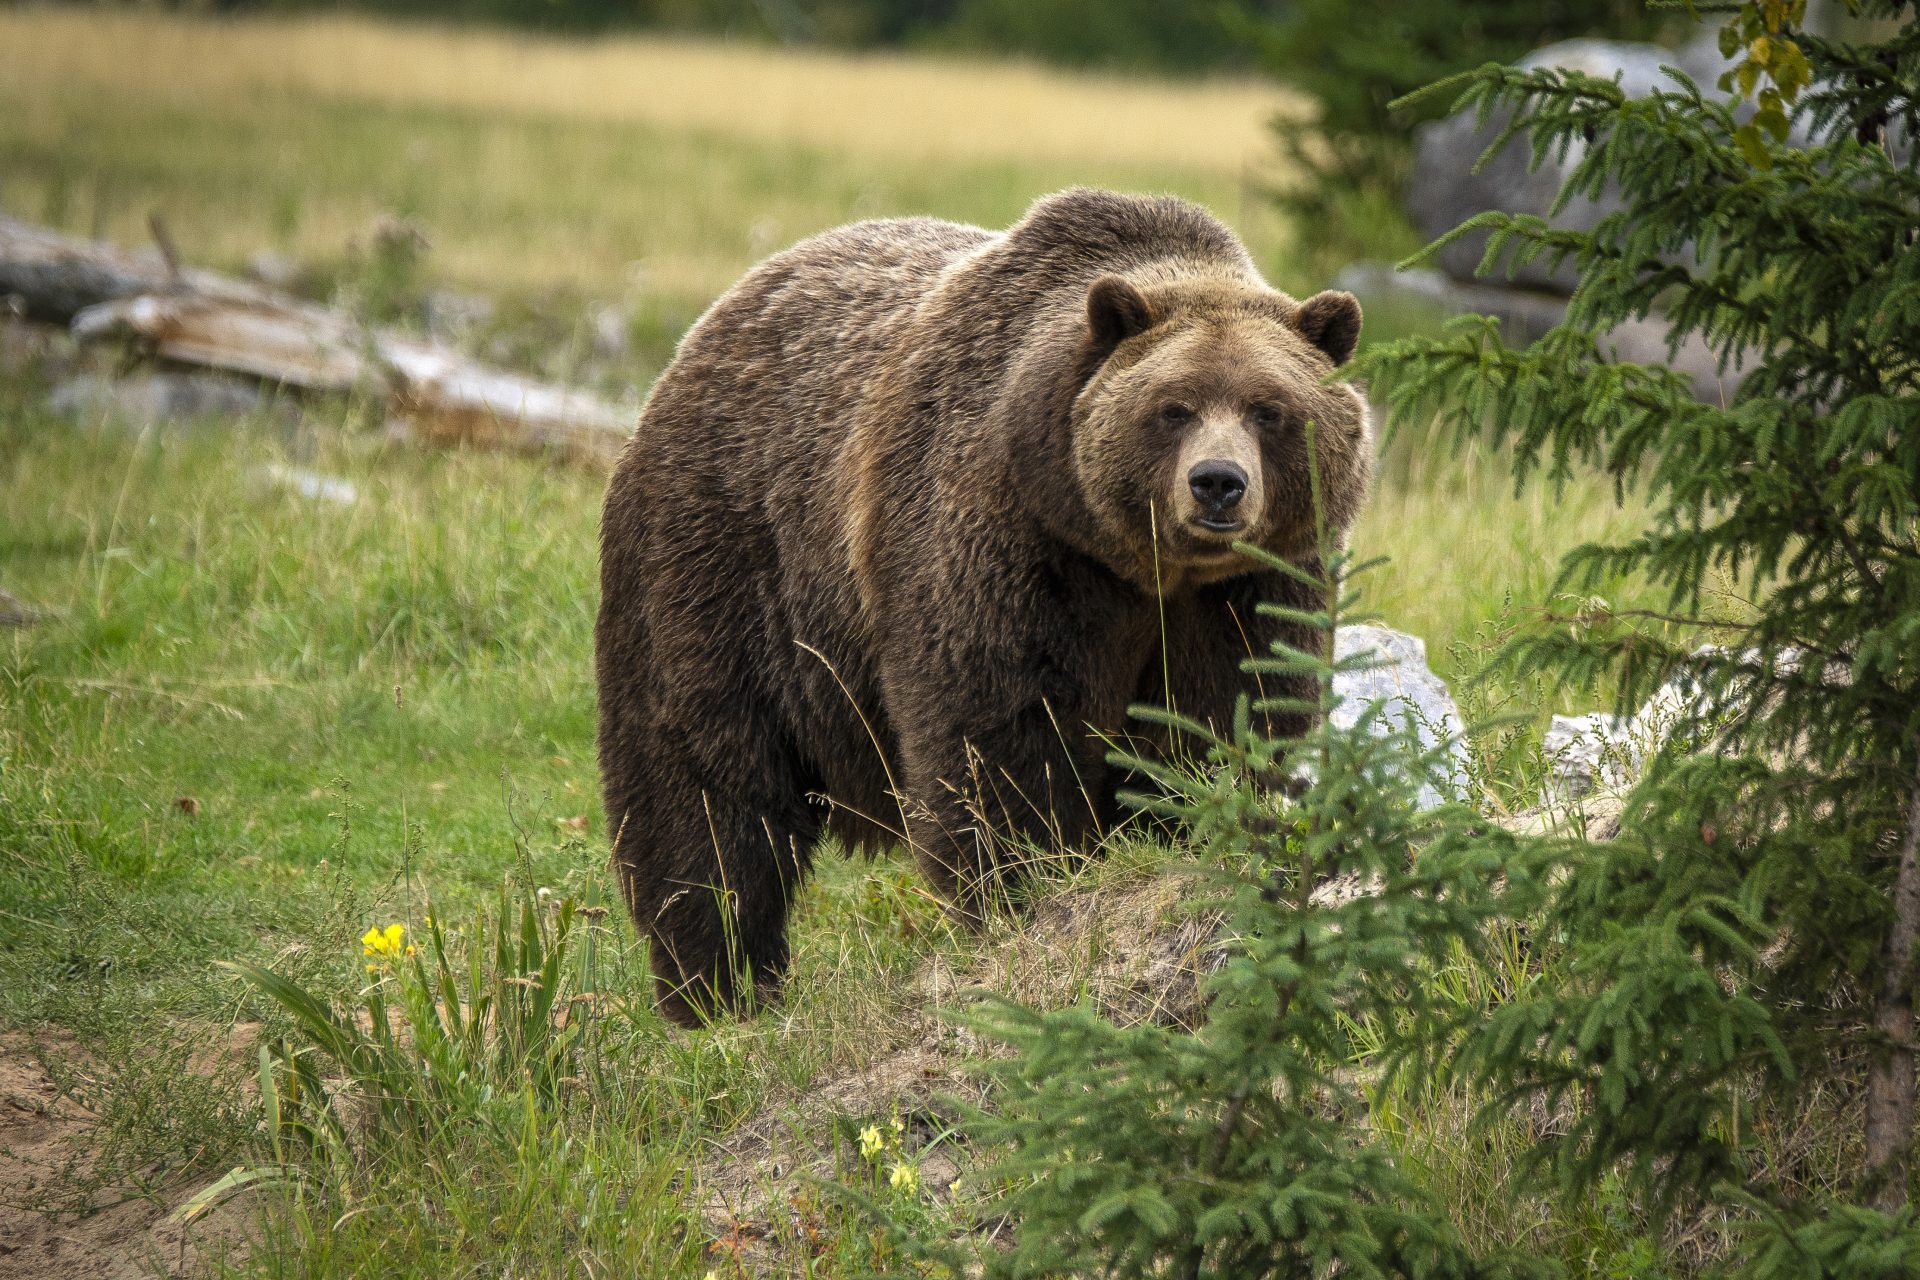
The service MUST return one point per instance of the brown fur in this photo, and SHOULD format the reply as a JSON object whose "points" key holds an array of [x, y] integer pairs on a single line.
{"points": [[903, 531]]}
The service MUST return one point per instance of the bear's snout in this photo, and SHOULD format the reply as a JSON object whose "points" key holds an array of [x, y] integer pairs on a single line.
{"points": [[1219, 491], [1218, 485]]}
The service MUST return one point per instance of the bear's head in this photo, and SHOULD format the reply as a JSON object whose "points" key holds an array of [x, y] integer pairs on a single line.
{"points": [[1207, 399]]}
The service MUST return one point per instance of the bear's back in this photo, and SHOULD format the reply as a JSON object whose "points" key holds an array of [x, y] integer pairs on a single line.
{"points": [[1068, 239], [797, 344], [763, 384], [815, 313]]}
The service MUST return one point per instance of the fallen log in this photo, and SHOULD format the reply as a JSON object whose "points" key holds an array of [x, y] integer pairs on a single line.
{"points": [[433, 393], [54, 277]]}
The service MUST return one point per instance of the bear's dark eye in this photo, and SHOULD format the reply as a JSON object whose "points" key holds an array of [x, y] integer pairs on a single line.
{"points": [[1265, 415], [1176, 415]]}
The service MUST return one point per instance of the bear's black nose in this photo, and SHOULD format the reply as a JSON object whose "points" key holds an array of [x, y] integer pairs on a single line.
{"points": [[1219, 485]]}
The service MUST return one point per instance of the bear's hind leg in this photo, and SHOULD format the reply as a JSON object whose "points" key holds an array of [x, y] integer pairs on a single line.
{"points": [[710, 865]]}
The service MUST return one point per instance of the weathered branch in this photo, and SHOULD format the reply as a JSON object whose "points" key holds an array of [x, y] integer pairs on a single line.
{"points": [[56, 276], [436, 394]]}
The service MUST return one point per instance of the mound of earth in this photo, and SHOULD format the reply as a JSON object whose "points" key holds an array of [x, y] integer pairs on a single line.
{"points": [[1132, 949]]}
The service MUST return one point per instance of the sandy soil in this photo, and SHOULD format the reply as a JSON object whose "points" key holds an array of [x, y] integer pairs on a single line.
{"points": [[43, 1141]]}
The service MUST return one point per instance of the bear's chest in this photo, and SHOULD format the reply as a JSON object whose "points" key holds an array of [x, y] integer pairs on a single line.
{"points": [[1094, 639]]}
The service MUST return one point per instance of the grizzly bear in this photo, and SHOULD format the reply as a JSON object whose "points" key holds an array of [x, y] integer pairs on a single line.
{"points": [[915, 513]]}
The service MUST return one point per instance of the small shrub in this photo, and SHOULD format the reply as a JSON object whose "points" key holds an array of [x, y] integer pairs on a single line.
{"points": [[1239, 1149]]}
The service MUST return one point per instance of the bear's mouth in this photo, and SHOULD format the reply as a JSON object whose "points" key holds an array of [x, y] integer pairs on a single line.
{"points": [[1219, 524]]}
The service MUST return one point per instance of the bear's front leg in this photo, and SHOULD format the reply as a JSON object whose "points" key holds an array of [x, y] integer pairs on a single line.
{"points": [[1006, 679], [1209, 635], [987, 803]]}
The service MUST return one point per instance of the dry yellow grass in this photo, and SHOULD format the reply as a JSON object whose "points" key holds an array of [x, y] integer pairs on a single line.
{"points": [[913, 107], [652, 168]]}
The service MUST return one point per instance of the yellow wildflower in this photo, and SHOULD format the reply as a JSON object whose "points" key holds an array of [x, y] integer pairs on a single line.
{"points": [[870, 1142], [904, 1178], [899, 1128], [384, 944]]}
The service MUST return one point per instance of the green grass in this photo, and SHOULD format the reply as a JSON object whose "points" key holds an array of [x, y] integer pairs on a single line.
{"points": [[387, 704], [316, 680], [1468, 558], [374, 707]]}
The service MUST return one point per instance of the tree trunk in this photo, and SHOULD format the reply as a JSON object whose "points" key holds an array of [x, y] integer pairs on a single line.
{"points": [[1890, 1083]]}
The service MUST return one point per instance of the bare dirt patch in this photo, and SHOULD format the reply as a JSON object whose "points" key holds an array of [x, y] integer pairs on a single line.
{"points": [[46, 1230]]}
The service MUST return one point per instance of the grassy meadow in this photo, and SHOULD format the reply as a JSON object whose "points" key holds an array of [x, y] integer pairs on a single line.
{"points": [[659, 168], [249, 726]]}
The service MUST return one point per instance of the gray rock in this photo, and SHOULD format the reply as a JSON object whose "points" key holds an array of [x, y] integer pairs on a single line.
{"points": [[1445, 190], [146, 399], [1409, 694], [1645, 341], [1524, 314], [1588, 752], [1608, 753]]}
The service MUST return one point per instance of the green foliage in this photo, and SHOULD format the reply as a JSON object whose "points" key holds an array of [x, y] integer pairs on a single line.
{"points": [[1732, 948], [1237, 1149], [1764, 32], [456, 1079], [438, 1037]]}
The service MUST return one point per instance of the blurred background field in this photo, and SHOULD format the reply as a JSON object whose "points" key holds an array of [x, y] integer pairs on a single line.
{"points": [[646, 167]]}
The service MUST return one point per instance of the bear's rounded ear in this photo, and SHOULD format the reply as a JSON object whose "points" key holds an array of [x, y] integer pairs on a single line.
{"points": [[1116, 311], [1331, 322]]}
